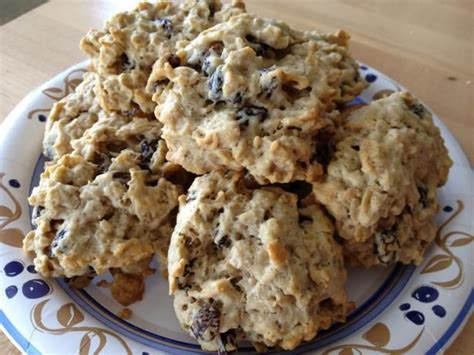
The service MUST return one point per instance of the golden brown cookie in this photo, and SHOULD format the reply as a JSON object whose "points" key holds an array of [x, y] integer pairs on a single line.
{"points": [[252, 93], [251, 264], [381, 182]]}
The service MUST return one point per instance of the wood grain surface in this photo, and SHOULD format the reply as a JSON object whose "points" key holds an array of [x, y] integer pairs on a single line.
{"points": [[426, 45]]}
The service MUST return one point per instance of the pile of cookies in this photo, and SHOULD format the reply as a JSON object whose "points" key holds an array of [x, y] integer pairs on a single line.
{"points": [[223, 143]]}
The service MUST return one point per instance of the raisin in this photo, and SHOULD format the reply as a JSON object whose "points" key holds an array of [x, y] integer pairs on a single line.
{"points": [[418, 109], [127, 65], [216, 81], [237, 98], [206, 66], [215, 50], [55, 242], [247, 113], [269, 87], [166, 25], [223, 242], [122, 176], [174, 61], [423, 191], [36, 213], [386, 247], [355, 147], [206, 322], [147, 148]]}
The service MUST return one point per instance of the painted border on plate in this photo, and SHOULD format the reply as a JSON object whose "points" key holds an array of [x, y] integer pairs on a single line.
{"points": [[456, 326], [18, 339], [363, 315]]}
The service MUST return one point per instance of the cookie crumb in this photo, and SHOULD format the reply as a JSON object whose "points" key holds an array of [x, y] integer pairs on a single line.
{"points": [[125, 313], [102, 283], [127, 288]]}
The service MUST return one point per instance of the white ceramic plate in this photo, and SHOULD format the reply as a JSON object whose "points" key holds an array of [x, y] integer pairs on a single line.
{"points": [[400, 309]]}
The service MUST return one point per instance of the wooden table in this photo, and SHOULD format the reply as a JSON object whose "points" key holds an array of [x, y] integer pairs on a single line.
{"points": [[427, 45]]}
